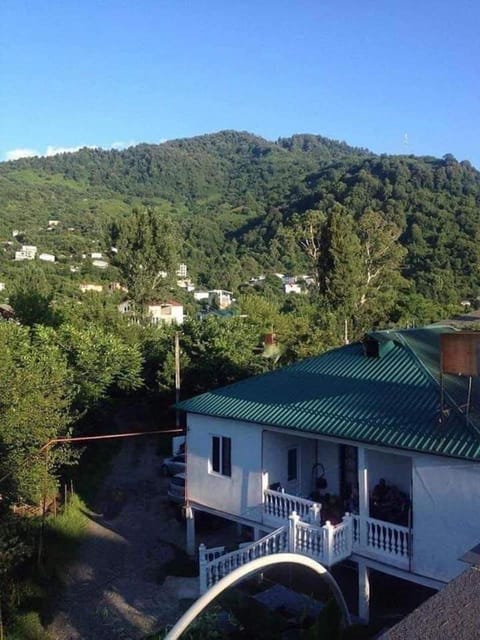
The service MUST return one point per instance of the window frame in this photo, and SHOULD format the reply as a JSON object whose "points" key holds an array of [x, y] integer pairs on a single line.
{"points": [[294, 450], [220, 460]]}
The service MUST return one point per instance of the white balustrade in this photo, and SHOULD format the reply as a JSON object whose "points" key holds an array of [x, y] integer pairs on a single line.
{"points": [[311, 541], [390, 541], [328, 544], [279, 505], [211, 571]]}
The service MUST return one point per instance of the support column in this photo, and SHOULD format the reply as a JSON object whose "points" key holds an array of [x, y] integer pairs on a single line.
{"points": [[190, 520], [363, 499], [256, 533], [292, 532], [363, 593]]}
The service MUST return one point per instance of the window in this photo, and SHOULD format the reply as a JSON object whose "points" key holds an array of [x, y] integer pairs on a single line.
{"points": [[221, 455], [292, 464]]}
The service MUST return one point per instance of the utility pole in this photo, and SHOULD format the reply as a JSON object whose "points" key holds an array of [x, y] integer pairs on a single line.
{"points": [[177, 377]]}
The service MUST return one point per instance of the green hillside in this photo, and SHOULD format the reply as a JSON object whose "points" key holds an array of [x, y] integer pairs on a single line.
{"points": [[233, 196]]}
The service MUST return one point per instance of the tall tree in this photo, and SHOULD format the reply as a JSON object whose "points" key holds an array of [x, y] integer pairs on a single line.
{"points": [[382, 256], [147, 253], [340, 261]]}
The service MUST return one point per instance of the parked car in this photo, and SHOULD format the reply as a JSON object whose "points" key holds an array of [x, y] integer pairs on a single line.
{"points": [[176, 489], [172, 466]]}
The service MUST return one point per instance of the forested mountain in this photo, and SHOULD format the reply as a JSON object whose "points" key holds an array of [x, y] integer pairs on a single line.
{"points": [[234, 195]]}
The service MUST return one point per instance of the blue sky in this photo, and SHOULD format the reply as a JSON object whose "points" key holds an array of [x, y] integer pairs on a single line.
{"points": [[393, 75]]}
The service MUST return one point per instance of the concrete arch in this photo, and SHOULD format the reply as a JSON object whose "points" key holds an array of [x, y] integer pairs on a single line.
{"points": [[248, 569]]}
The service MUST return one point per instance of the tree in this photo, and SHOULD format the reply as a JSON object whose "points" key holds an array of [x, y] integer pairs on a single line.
{"points": [[34, 407], [147, 253], [307, 230], [340, 262], [99, 361], [382, 257], [32, 297]]}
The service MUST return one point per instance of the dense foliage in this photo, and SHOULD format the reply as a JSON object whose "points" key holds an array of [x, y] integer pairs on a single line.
{"points": [[233, 195]]}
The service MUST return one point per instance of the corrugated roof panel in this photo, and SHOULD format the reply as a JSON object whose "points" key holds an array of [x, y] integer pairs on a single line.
{"points": [[391, 401]]}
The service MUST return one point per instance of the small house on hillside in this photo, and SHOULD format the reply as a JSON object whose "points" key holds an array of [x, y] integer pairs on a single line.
{"points": [[27, 252], [88, 286], [219, 297], [100, 264], [47, 257], [349, 455], [169, 312], [293, 287], [200, 295]]}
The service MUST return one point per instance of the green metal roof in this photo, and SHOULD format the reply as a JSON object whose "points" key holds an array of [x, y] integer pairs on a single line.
{"points": [[391, 401]]}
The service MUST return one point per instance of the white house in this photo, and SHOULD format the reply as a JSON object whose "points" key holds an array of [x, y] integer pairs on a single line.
{"points": [[27, 252], [2, 286], [96, 255], [221, 297], [169, 312], [293, 288], [100, 264], [87, 286], [200, 295], [186, 284], [182, 270], [47, 257], [53, 223], [355, 443]]}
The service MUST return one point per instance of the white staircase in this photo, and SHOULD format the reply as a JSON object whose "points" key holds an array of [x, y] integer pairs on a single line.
{"points": [[328, 544]]}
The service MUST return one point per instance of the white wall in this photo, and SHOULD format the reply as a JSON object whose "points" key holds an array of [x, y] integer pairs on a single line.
{"points": [[241, 491], [275, 451], [446, 514], [275, 461]]}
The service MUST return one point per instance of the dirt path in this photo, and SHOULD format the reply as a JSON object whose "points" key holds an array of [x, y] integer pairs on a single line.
{"points": [[117, 587]]}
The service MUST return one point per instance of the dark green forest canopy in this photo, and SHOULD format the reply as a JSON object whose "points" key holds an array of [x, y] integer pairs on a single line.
{"points": [[234, 195]]}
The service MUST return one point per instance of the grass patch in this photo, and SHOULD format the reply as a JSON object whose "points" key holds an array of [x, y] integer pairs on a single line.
{"points": [[63, 535], [27, 626]]}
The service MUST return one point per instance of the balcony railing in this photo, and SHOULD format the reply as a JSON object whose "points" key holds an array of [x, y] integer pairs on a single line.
{"points": [[328, 544], [383, 540], [278, 506]]}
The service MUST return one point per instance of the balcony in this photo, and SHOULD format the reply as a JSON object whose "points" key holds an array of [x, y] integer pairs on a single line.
{"points": [[370, 537]]}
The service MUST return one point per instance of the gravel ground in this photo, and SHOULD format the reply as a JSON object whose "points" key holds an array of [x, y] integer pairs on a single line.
{"points": [[117, 588]]}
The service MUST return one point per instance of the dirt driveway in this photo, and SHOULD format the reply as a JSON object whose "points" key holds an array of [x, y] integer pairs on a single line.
{"points": [[117, 588]]}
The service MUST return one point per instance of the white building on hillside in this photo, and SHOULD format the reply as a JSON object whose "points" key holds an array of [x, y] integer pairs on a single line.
{"points": [[199, 295], [47, 257], [169, 312], [347, 455], [27, 252], [182, 270], [100, 264], [220, 297], [87, 286]]}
